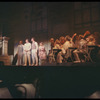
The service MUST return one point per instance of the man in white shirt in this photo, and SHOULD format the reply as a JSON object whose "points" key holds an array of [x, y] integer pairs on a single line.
{"points": [[34, 52], [66, 46], [27, 52], [81, 49]]}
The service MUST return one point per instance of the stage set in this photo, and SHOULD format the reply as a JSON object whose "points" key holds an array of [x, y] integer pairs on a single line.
{"points": [[51, 80], [64, 40]]}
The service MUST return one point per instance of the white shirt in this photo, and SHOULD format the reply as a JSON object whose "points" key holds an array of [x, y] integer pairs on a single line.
{"points": [[56, 46], [82, 44], [36, 44], [66, 45], [27, 47]]}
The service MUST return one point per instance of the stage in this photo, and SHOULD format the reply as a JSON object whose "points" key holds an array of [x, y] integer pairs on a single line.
{"points": [[67, 80]]}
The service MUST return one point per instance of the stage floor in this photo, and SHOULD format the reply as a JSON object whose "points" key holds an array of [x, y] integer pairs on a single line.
{"points": [[67, 80]]}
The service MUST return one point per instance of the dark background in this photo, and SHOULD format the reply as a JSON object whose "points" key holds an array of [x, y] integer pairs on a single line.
{"points": [[43, 20], [63, 81]]}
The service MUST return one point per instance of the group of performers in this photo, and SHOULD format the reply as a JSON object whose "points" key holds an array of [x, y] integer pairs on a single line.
{"points": [[76, 47], [31, 53]]}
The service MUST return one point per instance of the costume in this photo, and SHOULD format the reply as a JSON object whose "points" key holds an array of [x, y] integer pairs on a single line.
{"points": [[20, 54], [34, 52], [42, 55], [66, 46], [91, 40], [58, 55], [27, 48], [81, 48]]}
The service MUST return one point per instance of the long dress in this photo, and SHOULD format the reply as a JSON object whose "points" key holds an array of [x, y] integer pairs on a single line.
{"points": [[42, 55]]}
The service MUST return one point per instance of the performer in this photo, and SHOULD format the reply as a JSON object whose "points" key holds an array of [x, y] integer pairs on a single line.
{"points": [[93, 46], [91, 40], [56, 44], [72, 39], [42, 54], [87, 33], [51, 56], [76, 42], [59, 45], [81, 48], [27, 49], [52, 43], [1, 43], [68, 43], [62, 40], [58, 55], [20, 53], [34, 52]]}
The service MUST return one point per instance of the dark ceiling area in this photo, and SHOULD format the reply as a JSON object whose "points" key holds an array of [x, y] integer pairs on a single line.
{"points": [[43, 20]]}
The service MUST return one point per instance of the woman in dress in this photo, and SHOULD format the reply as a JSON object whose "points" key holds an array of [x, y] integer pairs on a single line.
{"points": [[42, 54]]}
